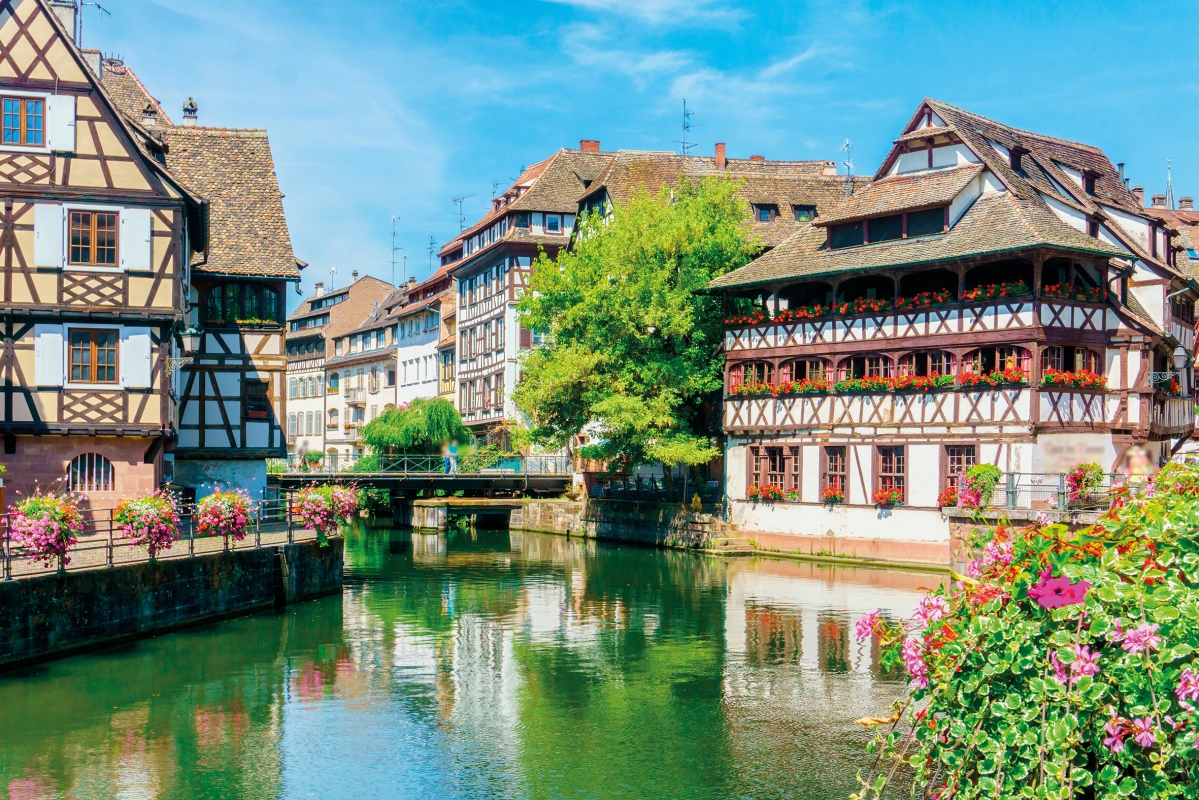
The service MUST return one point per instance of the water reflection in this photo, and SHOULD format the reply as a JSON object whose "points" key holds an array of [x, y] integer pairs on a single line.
{"points": [[481, 664]]}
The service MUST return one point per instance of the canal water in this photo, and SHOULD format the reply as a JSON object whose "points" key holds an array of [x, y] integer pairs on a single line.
{"points": [[481, 664]]}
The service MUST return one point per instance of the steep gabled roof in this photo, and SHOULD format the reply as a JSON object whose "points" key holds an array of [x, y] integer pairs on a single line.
{"points": [[127, 91], [904, 192]]}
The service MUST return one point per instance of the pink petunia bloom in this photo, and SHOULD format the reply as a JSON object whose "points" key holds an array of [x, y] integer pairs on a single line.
{"points": [[1141, 638], [1144, 732], [1057, 592], [867, 625], [1114, 740]]}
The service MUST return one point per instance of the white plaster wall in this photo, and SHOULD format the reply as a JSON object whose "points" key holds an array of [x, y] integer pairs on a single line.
{"points": [[964, 200], [861, 474], [923, 474], [1059, 452], [1071, 216], [410, 387], [809, 486], [211, 476], [1153, 298], [953, 156], [842, 522], [912, 162], [1132, 225], [937, 121], [1073, 174]]}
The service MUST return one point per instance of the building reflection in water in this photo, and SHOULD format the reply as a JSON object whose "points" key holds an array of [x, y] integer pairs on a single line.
{"points": [[481, 664]]}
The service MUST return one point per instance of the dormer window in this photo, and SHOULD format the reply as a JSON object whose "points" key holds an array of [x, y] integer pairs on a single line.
{"points": [[24, 121], [1015, 158], [1092, 224], [911, 224], [1088, 182], [765, 213], [553, 223], [804, 213]]}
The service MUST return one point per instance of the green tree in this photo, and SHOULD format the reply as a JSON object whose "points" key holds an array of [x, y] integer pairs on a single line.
{"points": [[421, 427], [633, 337]]}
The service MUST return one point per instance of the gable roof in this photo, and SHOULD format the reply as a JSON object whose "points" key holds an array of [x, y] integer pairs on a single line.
{"points": [[127, 91], [362, 296], [904, 192]]}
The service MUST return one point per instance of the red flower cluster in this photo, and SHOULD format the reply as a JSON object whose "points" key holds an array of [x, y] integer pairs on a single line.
{"points": [[948, 498], [926, 299], [833, 495], [888, 497], [1065, 291], [755, 318], [804, 386], [996, 290], [1011, 375], [807, 312], [1081, 379], [903, 383], [768, 493], [862, 305]]}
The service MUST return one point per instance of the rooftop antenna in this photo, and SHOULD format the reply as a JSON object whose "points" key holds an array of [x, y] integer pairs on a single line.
{"points": [[79, 19], [405, 267], [332, 272], [495, 189], [1169, 186], [687, 125], [847, 148], [394, 219], [461, 217], [432, 246]]}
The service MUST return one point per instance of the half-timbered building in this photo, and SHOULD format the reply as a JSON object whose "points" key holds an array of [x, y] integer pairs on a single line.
{"points": [[97, 238], [992, 296]]}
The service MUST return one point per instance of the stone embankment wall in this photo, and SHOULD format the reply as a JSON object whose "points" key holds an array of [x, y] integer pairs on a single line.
{"points": [[54, 615], [659, 524]]}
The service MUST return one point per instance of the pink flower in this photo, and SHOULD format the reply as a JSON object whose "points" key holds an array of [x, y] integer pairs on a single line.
{"points": [[1084, 662], [913, 659], [1058, 592], [1144, 728], [931, 609], [973, 570], [868, 625], [1059, 670], [1141, 638], [1114, 740], [1188, 686], [997, 553]]}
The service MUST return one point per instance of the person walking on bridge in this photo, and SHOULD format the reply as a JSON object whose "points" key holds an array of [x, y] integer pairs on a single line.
{"points": [[452, 451]]}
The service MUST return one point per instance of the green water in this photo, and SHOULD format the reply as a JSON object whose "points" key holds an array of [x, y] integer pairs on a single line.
{"points": [[480, 665]]}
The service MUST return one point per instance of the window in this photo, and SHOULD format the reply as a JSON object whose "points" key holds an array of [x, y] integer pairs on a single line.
{"points": [[804, 213], [258, 403], [753, 456], [846, 235], [958, 459], [361, 378], [247, 303], [24, 121], [379, 339], [303, 387], [291, 425], [90, 472], [988, 359], [374, 411], [834, 468], [93, 239], [812, 369], [374, 379], [553, 223], [763, 214], [332, 423], [391, 378], [891, 468], [776, 468], [793, 457], [1070, 359], [927, 222], [337, 347], [884, 229], [333, 383], [94, 356], [936, 362], [1088, 183], [293, 390], [753, 372], [864, 367]]}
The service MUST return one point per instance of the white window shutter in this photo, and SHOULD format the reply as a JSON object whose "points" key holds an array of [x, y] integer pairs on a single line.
{"points": [[136, 358], [49, 235], [60, 113], [135, 239], [48, 355]]}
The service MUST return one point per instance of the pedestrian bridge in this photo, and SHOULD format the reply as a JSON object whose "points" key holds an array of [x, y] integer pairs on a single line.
{"points": [[482, 475]]}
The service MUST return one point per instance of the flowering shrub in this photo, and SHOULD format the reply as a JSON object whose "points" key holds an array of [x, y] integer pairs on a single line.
{"points": [[926, 299], [1084, 480], [151, 521], [324, 508], [1062, 665], [224, 514], [832, 495], [1011, 376], [996, 290], [47, 526], [948, 498], [888, 497], [804, 386], [1082, 379], [978, 484], [862, 305]]}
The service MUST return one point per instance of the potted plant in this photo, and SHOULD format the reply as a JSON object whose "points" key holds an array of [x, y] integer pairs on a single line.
{"points": [[1083, 482], [793, 496], [770, 493], [832, 496], [888, 498], [47, 525], [324, 508], [978, 484], [151, 521], [948, 498], [752, 493]]}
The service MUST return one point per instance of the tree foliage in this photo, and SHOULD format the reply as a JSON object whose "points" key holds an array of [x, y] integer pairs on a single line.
{"points": [[1062, 665], [421, 427], [633, 339]]}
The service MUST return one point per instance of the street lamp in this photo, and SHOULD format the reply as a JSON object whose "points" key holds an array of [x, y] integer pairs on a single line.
{"points": [[1181, 360], [191, 344]]}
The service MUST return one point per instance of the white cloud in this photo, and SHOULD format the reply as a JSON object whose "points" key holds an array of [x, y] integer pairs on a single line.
{"points": [[662, 11]]}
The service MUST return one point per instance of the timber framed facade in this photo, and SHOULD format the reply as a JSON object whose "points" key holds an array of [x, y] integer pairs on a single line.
{"points": [[97, 237], [992, 296]]}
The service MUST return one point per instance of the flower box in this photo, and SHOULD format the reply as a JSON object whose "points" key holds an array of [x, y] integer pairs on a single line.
{"points": [[1081, 379], [925, 300], [832, 496], [888, 498], [863, 305], [753, 389], [948, 498], [996, 291], [1012, 376]]}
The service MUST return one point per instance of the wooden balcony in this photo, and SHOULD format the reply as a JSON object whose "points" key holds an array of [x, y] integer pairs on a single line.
{"points": [[354, 397], [955, 319], [1172, 416]]}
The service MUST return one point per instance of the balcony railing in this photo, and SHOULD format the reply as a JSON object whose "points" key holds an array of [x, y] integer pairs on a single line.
{"points": [[1032, 492], [354, 397], [468, 464]]}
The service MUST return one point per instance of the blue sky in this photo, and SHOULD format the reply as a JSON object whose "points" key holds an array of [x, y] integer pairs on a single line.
{"points": [[381, 107]]}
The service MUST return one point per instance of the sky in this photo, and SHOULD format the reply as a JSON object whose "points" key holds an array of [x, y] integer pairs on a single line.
{"points": [[382, 108]]}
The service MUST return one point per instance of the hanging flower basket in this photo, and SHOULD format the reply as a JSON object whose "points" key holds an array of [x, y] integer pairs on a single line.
{"points": [[224, 514], [324, 508], [47, 526], [151, 521]]}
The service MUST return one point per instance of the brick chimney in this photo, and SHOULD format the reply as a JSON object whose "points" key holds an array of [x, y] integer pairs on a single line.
{"points": [[721, 161], [411, 284], [757, 158], [1159, 201], [1186, 204], [589, 145], [191, 113], [318, 290], [1138, 192]]}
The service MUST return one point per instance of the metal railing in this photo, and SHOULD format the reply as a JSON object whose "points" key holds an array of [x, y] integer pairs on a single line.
{"points": [[1030, 491], [354, 397], [102, 545], [430, 465]]}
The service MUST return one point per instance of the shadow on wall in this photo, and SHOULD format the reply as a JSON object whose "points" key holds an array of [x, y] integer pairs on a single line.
{"points": [[207, 477]]}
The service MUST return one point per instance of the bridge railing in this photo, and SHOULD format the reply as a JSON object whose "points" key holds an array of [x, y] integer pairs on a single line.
{"points": [[477, 465]]}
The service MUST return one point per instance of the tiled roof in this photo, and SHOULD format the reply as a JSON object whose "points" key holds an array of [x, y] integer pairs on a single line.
{"points": [[382, 354], [565, 177], [234, 170], [345, 316], [900, 192], [996, 223], [128, 92], [926, 132], [1186, 224]]}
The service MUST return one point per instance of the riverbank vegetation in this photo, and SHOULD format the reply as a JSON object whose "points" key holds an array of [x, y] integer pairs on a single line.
{"points": [[1061, 665], [630, 346]]}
